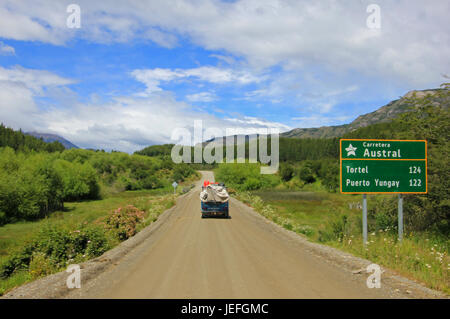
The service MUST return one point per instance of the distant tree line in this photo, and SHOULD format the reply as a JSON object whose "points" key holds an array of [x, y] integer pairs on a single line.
{"points": [[291, 149], [156, 150], [33, 184], [19, 141]]}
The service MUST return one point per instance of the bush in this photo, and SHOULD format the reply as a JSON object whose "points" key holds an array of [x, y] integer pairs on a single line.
{"points": [[245, 176], [32, 185], [252, 184], [329, 173], [151, 182], [92, 242], [306, 174], [181, 172], [40, 265], [383, 214], [385, 222], [29, 186], [3, 218], [18, 260], [79, 180], [334, 230], [58, 246], [286, 172], [62, 245], [123, 221]]}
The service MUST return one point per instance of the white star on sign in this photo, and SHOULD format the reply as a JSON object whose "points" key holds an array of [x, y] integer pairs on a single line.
{"points": [[351, 150]]}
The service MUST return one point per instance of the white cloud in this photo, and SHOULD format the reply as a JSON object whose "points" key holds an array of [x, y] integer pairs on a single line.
{"points": [[322, 103], [6, 49], [36, 80], [32, 21], [329, 34], [125, 123], [258, 123], [17, 106], [129, 124], [152, 78], [320, 120], [18, 88], [412, 45], [164, 39], [218, 75], [201, 97], [312, 51], [227, 59]]}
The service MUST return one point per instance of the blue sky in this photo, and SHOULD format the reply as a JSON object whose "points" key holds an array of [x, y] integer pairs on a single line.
{"points": [[136, 70]]}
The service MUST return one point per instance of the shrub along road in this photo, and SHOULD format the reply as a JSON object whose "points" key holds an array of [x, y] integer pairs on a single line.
{"points": [[245, 256]]}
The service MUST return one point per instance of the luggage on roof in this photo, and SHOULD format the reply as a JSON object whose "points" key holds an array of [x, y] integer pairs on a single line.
{"points": [[214, 193]]}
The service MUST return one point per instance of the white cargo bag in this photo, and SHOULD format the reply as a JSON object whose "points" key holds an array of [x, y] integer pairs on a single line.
{"points": [[214, 193]]}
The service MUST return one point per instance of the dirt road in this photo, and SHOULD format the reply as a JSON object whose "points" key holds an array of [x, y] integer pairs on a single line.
{"points": [[241, 257]]}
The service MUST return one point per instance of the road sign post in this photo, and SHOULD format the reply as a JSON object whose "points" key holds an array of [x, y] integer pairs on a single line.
{"points": [[364, 219], [375, 166], [174, 184], [400, 217]]}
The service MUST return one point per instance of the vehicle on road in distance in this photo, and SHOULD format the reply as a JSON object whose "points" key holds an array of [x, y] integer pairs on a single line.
{"points": [[214, 200]]}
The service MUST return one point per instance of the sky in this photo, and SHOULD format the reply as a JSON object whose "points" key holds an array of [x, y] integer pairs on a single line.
{"points": [[134, 71]]}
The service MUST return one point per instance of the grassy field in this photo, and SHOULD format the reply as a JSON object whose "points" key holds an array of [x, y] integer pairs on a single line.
{"points": [[335, 220], [14, 236]]}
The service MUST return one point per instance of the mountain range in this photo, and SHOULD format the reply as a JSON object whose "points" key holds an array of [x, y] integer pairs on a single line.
{"points": [[383, 114], [49, 138]]}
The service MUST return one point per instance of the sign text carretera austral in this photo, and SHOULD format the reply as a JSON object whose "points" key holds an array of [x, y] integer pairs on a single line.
{"points": [[383, 166]]}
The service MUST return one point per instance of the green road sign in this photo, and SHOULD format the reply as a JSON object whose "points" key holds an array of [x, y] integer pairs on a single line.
{"points": [[383, 149], [383, 166]]}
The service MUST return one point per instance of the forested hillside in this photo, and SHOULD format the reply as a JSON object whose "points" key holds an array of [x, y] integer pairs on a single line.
{"points": [[34, 182], [384, 114], [49, 138], [23, 142], [156, 150]]}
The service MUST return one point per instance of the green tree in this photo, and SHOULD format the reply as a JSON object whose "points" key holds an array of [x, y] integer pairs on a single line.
{"points": [[286, 172], [305, 174]]}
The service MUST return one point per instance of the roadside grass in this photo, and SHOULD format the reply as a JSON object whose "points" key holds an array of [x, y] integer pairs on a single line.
{"points": [[308, 211], [335, 220], [16, 280], [14, 237], [420, 257]]}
